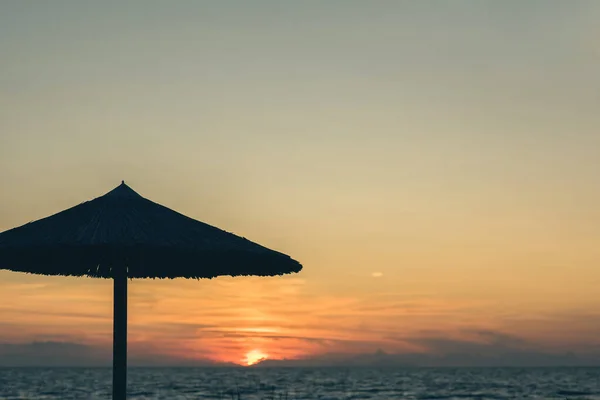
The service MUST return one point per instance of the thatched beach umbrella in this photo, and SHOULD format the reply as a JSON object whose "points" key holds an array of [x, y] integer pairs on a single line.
{"points": [[122, 235]]}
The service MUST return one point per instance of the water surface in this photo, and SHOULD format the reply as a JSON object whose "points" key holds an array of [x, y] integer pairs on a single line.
{"points": [[304, 383]]}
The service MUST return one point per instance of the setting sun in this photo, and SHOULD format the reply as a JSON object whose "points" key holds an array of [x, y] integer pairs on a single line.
{"points": [[254, 356]]}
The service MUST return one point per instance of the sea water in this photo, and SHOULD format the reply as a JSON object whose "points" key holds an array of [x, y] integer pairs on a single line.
{"points": [[304, 383]]}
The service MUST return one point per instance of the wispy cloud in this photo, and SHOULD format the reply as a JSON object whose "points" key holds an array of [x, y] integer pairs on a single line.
{"points": [[225, 318]]}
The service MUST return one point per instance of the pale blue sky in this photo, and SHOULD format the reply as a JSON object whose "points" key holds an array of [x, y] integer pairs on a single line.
{"points": [[480, 81]]}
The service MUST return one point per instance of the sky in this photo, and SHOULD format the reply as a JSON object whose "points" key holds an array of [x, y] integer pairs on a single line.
{"points": [[433, 165]]}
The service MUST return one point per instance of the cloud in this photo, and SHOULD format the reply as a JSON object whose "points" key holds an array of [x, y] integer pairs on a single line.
{"points": [[289, 317], [473, 342], [71, 354], [495, 348], [377, 274], [470, 347], [477, 348], [52, 354]]}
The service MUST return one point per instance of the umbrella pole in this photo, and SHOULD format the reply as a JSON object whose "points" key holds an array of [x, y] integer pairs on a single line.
{"points": [[120, 334]]}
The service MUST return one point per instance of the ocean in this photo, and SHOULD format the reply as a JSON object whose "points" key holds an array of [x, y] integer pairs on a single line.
{"points": [[304, 383]]}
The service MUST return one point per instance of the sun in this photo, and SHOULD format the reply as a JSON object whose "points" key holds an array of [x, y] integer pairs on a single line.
{"points": [[254, 356]]}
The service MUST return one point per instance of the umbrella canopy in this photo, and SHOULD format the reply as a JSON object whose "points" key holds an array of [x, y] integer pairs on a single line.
{"points": [[124, 228], [122, 235]]}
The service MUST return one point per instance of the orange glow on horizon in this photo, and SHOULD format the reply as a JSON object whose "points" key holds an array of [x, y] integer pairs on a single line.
{"points": [[255, 356]]}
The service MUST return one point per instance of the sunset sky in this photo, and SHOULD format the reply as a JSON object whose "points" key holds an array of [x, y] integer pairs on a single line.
{"points": [[435, 166]]}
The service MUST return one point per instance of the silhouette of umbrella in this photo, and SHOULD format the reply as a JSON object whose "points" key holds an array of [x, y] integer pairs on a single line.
{"points": [[123, 235]]}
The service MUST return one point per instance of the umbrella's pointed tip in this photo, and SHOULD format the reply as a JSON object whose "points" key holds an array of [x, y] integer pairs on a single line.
{"points": [[123, 191]]}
